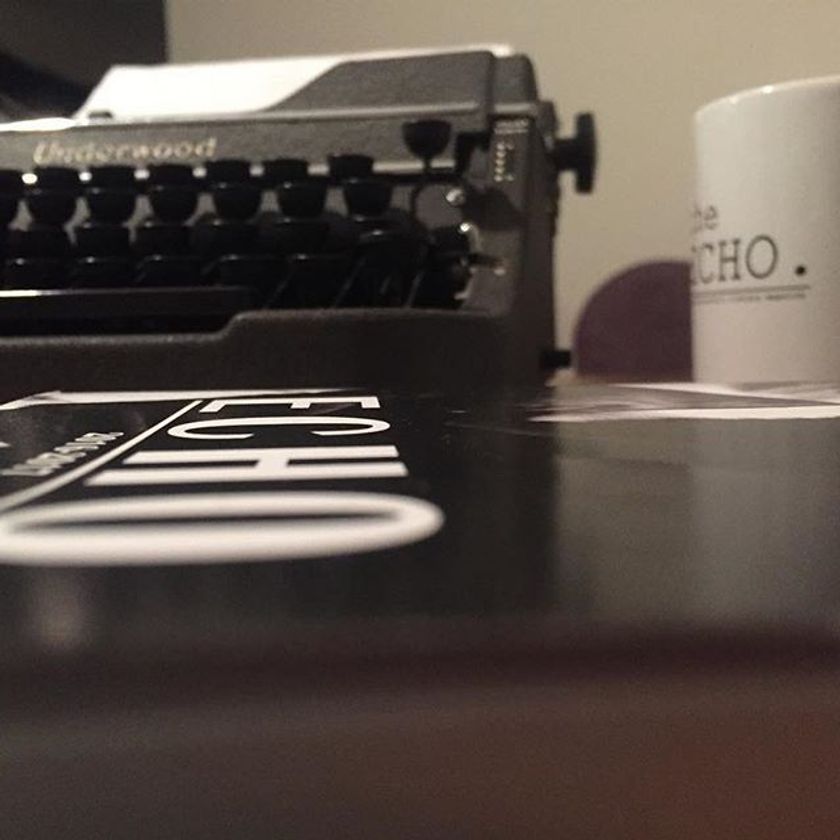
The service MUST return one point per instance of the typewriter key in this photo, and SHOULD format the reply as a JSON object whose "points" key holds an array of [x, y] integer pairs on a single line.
{"points": [[227, 170], [280, 170], [110, 204], [168, 270], [213, 238], [113, 176], [39, 241], [426, 139], [236, 201], [51, 206], [302, 199], [34, 273], [372, 224], [342, 167], [153, 237], [102, 272], [313, 280], [257, 272], [170, 174], [11, 189], [8, 208], [11, 182], [294, 236], [367, 196], [173, 203], [377, 274], [102, 240], [57, 178]]}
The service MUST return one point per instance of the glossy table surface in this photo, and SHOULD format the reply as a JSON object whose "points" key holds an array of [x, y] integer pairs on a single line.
{"points": [[584, 611], [567, 515]]}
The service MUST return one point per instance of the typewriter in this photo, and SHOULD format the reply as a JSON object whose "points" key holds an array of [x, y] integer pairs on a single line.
{"points": [[388, 218]]}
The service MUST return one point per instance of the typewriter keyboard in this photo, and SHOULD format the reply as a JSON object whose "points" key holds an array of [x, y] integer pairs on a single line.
{"points": [[177, 247]]}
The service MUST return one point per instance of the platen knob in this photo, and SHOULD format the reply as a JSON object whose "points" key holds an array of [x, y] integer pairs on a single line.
{"points": [[579, 153]]}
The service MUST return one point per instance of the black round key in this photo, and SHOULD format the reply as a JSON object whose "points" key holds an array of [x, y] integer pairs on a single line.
{"points": [[167, 238], [34, 273], [173, 203], [236, 200], [113, 176], [258, 272], [214, 238], [111, 204], [342, 167], [51, 206], [385, 244], [11, 189], [381, 256], [102, 272], [313, 280], [227, 170], [426, 139], [369, 224], [169, 270], [302, 199], [8, 208], [170, 174], [294, 236], [57, 178], [11, 182], [367, 196], [102, 240], [39, 241], [280, 170]]}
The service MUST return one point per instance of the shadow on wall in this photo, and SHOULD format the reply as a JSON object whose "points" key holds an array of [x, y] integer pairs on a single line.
{"points": [[638, 325]]}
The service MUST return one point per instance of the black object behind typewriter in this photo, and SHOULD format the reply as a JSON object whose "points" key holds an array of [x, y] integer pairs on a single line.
{"points": [[392, 221]]}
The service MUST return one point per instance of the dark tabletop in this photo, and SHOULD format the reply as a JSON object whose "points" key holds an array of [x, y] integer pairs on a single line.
{"points": [[566, 520]]}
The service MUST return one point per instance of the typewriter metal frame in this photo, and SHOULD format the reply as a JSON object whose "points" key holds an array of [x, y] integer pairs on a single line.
{"points": [[507, 195]]}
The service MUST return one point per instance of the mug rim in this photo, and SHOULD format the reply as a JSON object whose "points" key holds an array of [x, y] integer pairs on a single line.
{"points": [[813, 83]]}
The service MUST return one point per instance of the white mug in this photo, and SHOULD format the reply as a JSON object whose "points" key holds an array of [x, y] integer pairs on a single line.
{"points": [[766, 235]]}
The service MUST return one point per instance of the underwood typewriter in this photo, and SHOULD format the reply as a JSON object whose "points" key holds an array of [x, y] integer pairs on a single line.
{"points": [[385, 219]]}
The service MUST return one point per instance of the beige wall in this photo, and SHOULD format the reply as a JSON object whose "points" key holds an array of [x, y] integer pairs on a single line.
{"points": [[642, 65]]}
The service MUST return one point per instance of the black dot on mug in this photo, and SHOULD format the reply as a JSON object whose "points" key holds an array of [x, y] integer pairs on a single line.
{"points": [[800, 270]]}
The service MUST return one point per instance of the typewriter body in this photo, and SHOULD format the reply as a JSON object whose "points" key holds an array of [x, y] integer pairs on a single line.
{"points": [[389, 220]]}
